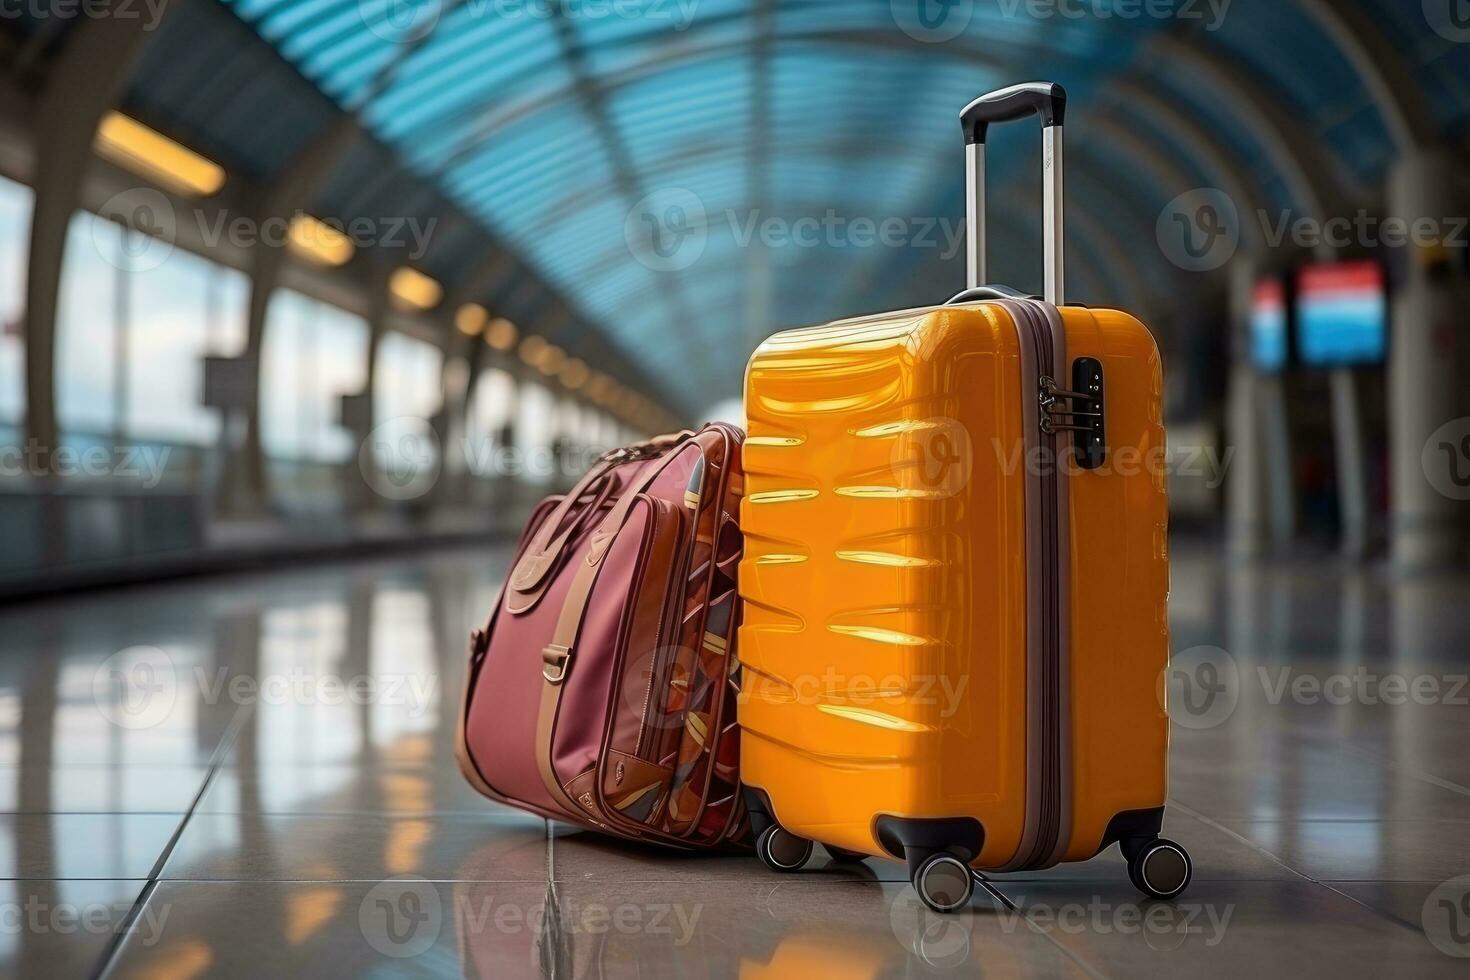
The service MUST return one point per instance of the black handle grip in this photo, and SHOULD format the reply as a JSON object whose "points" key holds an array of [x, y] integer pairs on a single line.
{"points": [[1045, 99]]}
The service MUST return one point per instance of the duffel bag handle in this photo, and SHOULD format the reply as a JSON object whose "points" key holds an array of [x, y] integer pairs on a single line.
{"points": [[544, 552]]}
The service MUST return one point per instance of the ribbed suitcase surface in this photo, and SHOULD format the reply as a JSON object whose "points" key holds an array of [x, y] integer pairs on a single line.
{"points": [[885, 636]]}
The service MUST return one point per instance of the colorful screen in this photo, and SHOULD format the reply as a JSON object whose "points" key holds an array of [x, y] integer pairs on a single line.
{"points": [[1268, 326], [1342, 314]]}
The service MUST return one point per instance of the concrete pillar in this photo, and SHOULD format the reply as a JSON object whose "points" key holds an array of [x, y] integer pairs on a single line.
{"points": [[1261, 507], [1246, 527], [1424, 383], [361, 494], [1352, 463], [1247, 504], [81, 86], [451, 423], [243, 482], [1276, 444]]}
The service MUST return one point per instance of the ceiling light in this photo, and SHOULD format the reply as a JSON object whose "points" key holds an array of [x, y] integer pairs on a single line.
{"points": [[471, 318], [414, 289], [501, 334], [319, 242], [574, 374], [551, 359], [531, 349], [151, 154]]}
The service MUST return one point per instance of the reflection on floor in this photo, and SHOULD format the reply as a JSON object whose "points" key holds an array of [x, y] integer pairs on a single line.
{"points": [[253, 777]]}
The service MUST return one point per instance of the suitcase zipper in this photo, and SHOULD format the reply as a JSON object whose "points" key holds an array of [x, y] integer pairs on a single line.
{"points": [[1049, 819]]}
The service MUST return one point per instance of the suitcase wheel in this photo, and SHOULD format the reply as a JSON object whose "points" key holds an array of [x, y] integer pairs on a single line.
{"points": [[845, 856], [782, 850], [944, 882], [1160, 869]]}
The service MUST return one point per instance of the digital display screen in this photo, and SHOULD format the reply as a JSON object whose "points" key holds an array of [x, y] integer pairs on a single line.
{"points": [[1268, 347], [1342, 314]]}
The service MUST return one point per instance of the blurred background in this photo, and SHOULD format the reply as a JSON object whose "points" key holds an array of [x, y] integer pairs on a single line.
{"points": [[308, 279], [284, 276]]}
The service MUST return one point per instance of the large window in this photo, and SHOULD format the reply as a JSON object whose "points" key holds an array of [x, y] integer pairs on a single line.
{"points": [[608, 433], [408, 392], [313, 355], [535, 429], [410, 379], [574, 450], [592, 434], [89, 368], [178, 312], [135, 320], [489, 418], [15, 224]]}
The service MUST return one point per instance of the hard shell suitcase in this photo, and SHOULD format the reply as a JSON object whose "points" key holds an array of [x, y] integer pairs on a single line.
{"points": [[955, 577], [601, 691]]}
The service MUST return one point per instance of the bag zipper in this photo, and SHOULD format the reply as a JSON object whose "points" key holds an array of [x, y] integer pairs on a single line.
{"points": [[673, 607]]}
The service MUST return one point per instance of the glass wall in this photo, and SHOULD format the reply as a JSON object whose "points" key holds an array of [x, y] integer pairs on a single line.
{"points": [[456, 390], [136, 318], [15, 224], [591, 429], [409, 379], [313, 354], [90, 376], [609, 431], [408, 393], [535, 430], [491, 413], [178, 312]]}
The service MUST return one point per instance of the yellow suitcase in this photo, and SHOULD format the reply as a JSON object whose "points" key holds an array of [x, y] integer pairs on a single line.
{"points": [[955, 577]]}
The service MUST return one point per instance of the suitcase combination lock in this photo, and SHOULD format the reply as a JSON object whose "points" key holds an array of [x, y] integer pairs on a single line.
{"points": [[1078, 410]]}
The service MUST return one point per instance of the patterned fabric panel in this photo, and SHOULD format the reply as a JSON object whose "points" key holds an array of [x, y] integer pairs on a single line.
{"points": [[693, 729], [707, 763]]}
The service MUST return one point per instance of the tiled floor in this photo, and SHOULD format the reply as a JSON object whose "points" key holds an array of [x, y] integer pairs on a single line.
{"points": [[186, 791]]}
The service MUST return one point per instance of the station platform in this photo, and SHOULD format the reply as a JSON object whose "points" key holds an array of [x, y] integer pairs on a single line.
{"points": [[252, 775]]}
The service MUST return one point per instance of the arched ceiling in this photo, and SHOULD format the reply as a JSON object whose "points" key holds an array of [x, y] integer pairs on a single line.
{"points": [[583, 134]]}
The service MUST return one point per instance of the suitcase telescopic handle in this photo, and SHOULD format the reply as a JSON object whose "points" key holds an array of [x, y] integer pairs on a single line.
{"points": [[1047, 100]]}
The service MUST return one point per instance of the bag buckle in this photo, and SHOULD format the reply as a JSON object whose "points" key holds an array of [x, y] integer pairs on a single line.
{"points": [[555, 658]]}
